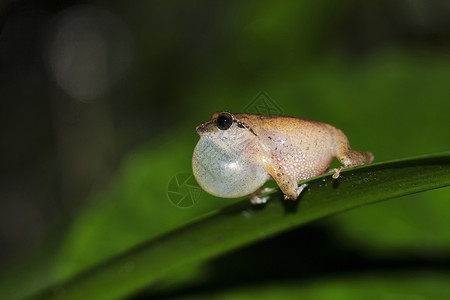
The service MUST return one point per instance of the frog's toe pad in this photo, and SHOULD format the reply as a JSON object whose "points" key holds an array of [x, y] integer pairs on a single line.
{"points": [[337, 173]]}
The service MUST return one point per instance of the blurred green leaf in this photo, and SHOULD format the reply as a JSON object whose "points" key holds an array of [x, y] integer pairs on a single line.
{"points": [[414, 284], [242, 223]]}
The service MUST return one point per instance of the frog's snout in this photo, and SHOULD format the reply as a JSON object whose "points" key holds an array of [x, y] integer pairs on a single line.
{"points": [[200, 128]]}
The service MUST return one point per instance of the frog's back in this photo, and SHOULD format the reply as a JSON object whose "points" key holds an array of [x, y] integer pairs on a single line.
{"points": [[284, 123], [301, 147]]}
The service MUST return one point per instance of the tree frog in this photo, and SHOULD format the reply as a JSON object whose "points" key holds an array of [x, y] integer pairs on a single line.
{"points": [[238, 153]]}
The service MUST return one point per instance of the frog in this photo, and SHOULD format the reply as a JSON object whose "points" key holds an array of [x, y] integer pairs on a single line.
{"points": [[239, 152]]}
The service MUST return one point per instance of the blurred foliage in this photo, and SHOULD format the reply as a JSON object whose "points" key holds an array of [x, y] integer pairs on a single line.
{"points": [[366, 286], [85, 181]]}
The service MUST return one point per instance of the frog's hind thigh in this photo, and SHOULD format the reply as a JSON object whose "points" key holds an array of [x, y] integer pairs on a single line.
{"points": [[345, 154]]}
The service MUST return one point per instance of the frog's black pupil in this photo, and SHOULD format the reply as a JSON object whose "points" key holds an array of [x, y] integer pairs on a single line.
{"points": [[224, 122]]}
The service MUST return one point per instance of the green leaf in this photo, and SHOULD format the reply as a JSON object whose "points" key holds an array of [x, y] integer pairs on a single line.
{"points": [[413, 284], [242, 223]]}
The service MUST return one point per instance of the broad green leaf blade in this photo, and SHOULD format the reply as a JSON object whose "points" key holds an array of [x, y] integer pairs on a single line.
{"points": [[242, 223]]}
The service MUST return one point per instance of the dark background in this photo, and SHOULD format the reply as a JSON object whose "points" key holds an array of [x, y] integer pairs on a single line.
{"points": [[99, 101]]}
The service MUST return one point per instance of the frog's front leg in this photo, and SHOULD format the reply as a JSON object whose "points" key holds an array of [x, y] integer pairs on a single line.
{"points": [[288, 185], [255, 196]]}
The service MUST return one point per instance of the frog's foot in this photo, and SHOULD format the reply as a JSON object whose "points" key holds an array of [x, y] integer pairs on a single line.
{"points": [[301, 188], [337, 172], [298, 191], [255, 199]]}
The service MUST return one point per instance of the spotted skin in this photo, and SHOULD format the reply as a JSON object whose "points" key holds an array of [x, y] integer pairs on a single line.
{"points": [[288, 149]]}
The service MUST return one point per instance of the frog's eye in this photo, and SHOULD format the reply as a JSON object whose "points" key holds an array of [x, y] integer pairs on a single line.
{"points": [[224, 121]]}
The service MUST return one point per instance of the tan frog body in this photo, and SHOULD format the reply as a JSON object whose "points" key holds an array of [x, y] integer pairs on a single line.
{"points": [[238, 153]]}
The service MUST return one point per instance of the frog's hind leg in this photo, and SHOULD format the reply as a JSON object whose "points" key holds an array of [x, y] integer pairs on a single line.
{"points": [[345, 154]]}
